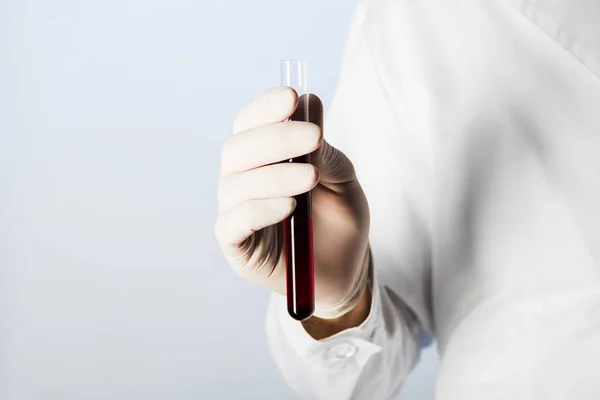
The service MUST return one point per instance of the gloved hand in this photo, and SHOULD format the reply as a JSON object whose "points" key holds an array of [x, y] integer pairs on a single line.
{"points": [[255, 195]]}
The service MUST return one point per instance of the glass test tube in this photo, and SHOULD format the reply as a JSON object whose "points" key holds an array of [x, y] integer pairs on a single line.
{"points": [[297, 228]]}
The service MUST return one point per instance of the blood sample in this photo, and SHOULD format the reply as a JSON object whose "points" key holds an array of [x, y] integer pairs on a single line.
{"points": [[297, 228]]}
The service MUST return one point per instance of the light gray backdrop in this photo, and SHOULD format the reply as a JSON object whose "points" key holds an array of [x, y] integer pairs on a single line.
{"points": [[112, 114]]}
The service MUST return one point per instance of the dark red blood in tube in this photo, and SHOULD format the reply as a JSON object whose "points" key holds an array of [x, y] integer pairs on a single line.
{"points": [[298, 248]]}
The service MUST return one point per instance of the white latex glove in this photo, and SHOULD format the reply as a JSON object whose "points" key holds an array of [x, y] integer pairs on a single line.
{"points": [[255, 195]]}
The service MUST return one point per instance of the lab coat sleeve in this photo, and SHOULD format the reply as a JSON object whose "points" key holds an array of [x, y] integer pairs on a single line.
{"points": [[393, 165]]}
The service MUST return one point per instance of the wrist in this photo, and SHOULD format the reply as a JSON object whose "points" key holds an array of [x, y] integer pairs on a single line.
{"points": [[343, 306], [348, 313]]}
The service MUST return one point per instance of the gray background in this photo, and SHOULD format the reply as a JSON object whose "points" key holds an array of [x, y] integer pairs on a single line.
{"points": [[112, 115]]}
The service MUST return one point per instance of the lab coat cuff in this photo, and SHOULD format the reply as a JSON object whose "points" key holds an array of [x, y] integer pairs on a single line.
{"points": [[351, 346]]}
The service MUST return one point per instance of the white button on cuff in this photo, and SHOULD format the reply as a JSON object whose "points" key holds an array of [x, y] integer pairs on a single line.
{"points": [[341, 354], [341, 351], [337, 355]]}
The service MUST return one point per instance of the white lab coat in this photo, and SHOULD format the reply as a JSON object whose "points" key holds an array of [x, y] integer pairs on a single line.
{"points": [[474, 127]]}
